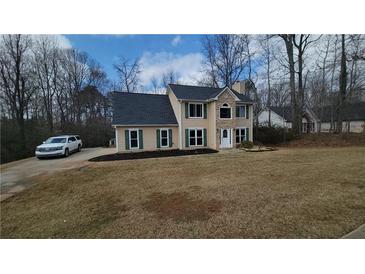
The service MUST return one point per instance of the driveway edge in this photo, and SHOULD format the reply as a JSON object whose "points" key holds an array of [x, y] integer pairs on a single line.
{"points": [[358, 233]]}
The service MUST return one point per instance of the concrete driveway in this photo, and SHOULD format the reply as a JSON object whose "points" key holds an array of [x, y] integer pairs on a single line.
{"points": [[15, 176]]}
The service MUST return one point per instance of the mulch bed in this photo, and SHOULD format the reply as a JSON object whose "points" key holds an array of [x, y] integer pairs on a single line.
{"points": [[151, 154], [259, 149]]}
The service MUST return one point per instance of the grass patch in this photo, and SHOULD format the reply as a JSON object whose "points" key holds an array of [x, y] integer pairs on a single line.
{"points": [[180, 207], [289, 193]]}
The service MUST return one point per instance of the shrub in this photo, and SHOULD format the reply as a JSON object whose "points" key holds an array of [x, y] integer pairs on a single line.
{"points": [[246, 144], [272, 135]]}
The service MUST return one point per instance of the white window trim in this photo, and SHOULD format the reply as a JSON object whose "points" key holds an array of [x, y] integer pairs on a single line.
{"points": [[244, 113], [196, 137], [228, 106], [201, 117], [130, 139], [168, 137], [245, 128]]}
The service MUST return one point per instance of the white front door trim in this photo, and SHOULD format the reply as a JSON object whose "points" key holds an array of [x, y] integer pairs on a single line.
{"points": [[226, 138]]}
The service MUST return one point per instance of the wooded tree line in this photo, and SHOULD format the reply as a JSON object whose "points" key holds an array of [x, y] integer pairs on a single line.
{"points": [[47, 90]]}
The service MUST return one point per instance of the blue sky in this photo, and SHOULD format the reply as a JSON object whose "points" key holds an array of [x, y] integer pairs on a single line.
{"points": [[159, 53]]}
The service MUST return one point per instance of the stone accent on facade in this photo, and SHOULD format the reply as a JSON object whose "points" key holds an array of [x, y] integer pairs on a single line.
{"points": [[225, 98]]}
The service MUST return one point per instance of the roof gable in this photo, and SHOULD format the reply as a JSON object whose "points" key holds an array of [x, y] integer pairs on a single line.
{"points": [[227, 89], [201, 93]]}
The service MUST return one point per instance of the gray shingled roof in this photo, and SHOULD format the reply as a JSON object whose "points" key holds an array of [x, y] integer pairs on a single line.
{"points": [[142, 109], [199, 93], [352, 112]]}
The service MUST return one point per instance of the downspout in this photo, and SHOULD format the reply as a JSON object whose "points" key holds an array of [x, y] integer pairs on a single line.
{"points": [[180, 127], [116, 139]]}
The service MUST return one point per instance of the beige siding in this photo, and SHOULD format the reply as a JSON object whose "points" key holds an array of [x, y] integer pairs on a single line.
{"points": [[176, 106], [149, 138], [211, 142], [195, 123]]}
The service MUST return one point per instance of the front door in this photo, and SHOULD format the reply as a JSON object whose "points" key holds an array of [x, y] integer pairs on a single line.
{"points": [[226, 137]]}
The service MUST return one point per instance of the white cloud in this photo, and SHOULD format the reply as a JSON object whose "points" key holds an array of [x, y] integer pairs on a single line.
{"points": [[176, 40], [61, 40], [188, 67]]}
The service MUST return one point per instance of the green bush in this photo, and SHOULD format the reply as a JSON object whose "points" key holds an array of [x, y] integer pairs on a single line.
{"points": [[246, 144], [272, 135]]}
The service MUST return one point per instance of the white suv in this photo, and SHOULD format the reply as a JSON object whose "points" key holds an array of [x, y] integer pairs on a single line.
{"points": [[59, 145]]}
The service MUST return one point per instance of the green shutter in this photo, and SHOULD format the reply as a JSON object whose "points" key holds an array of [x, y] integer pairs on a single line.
{"points": [[187, 137], [186, 110], [247, 111], [158, 138], [205, 111], [247, 134], [205, 137], [170, 137], [140, 138], [126, 139]]}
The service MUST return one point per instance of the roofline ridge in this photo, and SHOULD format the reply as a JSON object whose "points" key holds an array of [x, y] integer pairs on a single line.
{"points": [[138, 93], [196, 86]]}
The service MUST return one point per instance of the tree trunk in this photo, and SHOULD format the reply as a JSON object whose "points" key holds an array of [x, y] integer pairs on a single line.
{"points": [[343, 84], [288, 39]]}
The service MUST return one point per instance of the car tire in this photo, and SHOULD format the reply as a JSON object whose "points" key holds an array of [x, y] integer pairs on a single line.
{"points": [[66, 152], [79, 148]]}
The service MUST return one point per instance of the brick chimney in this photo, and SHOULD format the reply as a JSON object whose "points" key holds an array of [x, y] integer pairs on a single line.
{"points": [[240, 86]]}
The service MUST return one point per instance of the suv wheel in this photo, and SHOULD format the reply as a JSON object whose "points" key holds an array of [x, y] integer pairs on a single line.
{"points": [[67, 152]]}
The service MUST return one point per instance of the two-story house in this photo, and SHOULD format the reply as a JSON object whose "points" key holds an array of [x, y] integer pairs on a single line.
{"points": [[186, 117]]}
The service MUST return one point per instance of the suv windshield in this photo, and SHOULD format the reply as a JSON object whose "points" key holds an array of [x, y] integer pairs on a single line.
{"points": [[55, 140]]}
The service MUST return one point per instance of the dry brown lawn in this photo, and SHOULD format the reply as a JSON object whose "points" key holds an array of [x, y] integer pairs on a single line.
{"points": [[289, 193]]}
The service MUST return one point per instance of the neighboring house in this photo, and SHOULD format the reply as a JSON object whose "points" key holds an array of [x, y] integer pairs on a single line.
{"points": [[353, 118], [318, 120], [282, 117], [186, 117]]}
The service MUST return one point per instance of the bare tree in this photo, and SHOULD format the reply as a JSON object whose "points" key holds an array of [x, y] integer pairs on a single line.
{"points": [[129, 72], [267, 55], [15, 72], [301, 43], [46, 64], [154, 83], [225, 58], [170, 77], [295, 110]]}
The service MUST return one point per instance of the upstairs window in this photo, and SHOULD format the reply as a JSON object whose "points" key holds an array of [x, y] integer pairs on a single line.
{"points": [[225, 112], [195, 110], [241, 111]]}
